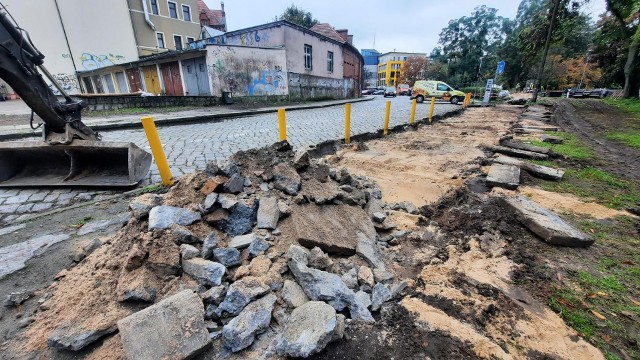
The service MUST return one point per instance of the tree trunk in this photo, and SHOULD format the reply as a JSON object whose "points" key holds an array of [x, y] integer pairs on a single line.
{"points": [[630, 66]]}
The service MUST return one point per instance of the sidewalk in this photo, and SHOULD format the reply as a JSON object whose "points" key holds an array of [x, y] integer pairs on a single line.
{"points": [[212, 114]]}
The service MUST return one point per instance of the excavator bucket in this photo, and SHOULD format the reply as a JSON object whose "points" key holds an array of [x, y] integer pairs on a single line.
{"points": [[80, 164]]}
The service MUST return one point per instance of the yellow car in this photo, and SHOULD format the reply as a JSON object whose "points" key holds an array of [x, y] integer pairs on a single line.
{"points": [[426, 89]]}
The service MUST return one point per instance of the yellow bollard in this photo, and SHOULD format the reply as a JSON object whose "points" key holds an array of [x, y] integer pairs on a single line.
{"points": [[157, 151], [433, 105], [469, 99], [282, 124], [347, 123], [386, 118], [413, 111]]}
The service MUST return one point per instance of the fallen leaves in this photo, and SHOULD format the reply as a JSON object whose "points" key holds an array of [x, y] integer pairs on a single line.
{"points": [[598, 315], [635, 302]]}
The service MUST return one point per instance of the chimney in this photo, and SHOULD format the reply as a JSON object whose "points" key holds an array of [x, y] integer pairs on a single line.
{"points": [[350, 39], [344, 34], [222, 6]]}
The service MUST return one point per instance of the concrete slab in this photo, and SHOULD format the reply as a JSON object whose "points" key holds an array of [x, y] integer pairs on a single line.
{"points": [[171, 329], [527, 147], [546, 224], [519, 153], [541, 127], [504, 176], [540, 171]]}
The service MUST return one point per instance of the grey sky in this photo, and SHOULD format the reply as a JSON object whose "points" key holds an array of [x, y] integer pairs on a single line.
{"points": [[403, 25]]}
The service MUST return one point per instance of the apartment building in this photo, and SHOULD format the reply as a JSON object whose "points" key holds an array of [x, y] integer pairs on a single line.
{"points": [[390, 67]]}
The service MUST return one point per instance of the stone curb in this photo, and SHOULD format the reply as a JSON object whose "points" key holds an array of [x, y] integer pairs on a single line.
{"points": [[213, 118]]}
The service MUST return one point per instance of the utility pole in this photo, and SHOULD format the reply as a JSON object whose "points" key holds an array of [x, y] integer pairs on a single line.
{"points": [[554, 12]]}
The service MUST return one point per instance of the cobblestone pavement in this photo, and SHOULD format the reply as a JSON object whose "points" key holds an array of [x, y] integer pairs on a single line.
{"points": [[190, 147]]}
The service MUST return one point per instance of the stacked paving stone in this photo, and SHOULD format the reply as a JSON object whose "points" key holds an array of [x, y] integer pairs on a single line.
{"points": [[330, 274]]}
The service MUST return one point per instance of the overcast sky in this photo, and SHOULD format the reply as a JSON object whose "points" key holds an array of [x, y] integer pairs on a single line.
{"points": [[403, 25]]}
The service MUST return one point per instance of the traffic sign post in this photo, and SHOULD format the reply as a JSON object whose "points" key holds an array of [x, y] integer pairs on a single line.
{"points": [[487, 91], [501, 66]]}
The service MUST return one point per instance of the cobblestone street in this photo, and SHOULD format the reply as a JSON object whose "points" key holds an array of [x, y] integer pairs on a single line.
{"points": [[189, 147]]}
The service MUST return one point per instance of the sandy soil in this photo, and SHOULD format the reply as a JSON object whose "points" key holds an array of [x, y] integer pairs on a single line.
{"points": [[420, 166]]}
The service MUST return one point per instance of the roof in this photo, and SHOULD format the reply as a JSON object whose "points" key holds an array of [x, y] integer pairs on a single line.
{"points": [[284, 23], [216, 17], [401, 52], [328, 31]]}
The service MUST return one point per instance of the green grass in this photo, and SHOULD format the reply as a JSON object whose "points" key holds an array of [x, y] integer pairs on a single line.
{"points": [[80, 223], [571, 148], [631, 106], [630, 138], [593, 184], [151, 188]]}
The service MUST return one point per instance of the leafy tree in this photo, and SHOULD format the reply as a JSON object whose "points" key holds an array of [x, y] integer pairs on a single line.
{"points": [[420, 68], [610, 49], [627, 15], [298, 16], [467, 39]]}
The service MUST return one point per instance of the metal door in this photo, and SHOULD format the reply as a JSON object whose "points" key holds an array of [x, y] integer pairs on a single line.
{"points": [[196, 77], [151, 79], [122, 83], [171, 79], [134, 80]]}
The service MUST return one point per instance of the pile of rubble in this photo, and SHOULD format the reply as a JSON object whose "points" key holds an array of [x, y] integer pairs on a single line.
{"points": [[271, 248]]}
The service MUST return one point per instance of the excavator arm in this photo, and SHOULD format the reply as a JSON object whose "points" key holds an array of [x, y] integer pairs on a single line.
{"points": [[70, 153]]}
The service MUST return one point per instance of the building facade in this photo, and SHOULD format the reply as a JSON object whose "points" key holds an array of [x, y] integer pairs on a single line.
{"points": [[391, 66], [215, 19], [370, 68], [352, 61]]}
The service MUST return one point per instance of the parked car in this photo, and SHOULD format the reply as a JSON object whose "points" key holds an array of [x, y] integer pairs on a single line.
{"points": [[390, 91], [424, 89], [378, 92], [404, 89], [369, 91]]}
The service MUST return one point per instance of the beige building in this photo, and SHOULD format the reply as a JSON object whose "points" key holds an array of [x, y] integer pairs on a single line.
{"points": [[159, 25]]}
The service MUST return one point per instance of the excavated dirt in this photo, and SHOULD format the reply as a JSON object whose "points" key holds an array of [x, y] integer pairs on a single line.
{"points": [[420, 166]]}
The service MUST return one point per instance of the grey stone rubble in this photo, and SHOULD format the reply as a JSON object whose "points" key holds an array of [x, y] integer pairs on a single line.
{"points": [[163, 217], [540, 171], [68, 337], [551, 139], [546, 224], [526, 147], [309, 329], [152, 333], [268, 213], [93, 226], [519, 153], [254, 319], [505, 176], [204, 271]]}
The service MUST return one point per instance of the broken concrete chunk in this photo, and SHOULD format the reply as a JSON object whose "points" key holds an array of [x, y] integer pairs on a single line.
{"points": [[333, 228], [363, 298], [526, 147], [518, 153], [241, 293], [293, 295], [235, 185], [301, 159], [308, 330], [171, 329], [163, 217], [286, 179], [298, 254], [210, 243], [379, 296], [540, 171], [268, 213], [227, 201], [204, 271], [182, 235], [17, 298], [75, 338], [547, 225], [284, 209], [369, 250], [551, 139], [227, 256], [242, 241], [240, 221], [257, 247], [97, 225], [505, 176], [213, 185], [142, 292], [215, 295], [378, 216], [188, 251], [350, 278], [241, 332], [210, 202], [382, 276], [319, 260], [141, 205], [338, 333]]}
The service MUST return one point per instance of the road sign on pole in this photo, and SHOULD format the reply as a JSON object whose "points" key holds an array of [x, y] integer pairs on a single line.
{"points": [[501, 65], [487, 91]]}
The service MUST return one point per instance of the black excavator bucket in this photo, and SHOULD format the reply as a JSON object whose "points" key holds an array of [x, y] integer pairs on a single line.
{"points": [[80, 164]]}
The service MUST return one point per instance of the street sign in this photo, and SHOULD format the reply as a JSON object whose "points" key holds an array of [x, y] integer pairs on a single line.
{"points": [[501, 65], [487, 91]]}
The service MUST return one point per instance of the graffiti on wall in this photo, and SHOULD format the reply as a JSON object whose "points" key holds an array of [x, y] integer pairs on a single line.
{"points": [[246, 74], [92, 62], [68, 82]]}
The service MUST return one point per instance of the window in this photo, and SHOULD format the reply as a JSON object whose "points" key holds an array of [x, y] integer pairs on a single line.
{"points": [[190, 39], [308, 59], [330, 61], [443, 87], [173, 10], [160, 38], [186, 13], [154, 7], [177, 40]]}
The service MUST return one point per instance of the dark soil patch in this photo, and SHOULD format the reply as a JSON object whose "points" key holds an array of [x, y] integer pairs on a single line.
{"points": [[396, 335], [590, 120]]}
